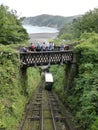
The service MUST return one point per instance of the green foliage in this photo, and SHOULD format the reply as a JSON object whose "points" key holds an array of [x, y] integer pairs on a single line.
{"points": [[80, 25], [10, 90], [11, 29], [33, 79], [57, 41], [87, 23], [66, 32], [12, 100], [95, 124], [58, 74], [82, 98], [66, 36]]}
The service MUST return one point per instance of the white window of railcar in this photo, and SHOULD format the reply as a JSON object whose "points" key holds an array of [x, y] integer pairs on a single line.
{"points": [[48, 77]]}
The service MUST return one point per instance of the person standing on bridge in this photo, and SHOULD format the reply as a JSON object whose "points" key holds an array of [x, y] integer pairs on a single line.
{"points": [[62, 47], [50, 46], [23, 49], [38, 48], [43, 46], [32, 47]]}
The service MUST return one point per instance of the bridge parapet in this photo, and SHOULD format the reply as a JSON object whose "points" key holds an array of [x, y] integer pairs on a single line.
{"points": [[46, 58]]}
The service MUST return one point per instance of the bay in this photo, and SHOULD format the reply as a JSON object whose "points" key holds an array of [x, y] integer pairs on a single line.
{"points": [[36, 29]]}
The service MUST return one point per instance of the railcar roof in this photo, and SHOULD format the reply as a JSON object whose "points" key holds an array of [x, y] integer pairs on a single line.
{"points": [[48, 77]]}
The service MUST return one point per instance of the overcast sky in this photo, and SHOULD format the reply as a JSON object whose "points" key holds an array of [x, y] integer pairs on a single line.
{"points": [[53, 7]]}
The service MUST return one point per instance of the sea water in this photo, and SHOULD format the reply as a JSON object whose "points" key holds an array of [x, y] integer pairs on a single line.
{"points": [[36, 29]]}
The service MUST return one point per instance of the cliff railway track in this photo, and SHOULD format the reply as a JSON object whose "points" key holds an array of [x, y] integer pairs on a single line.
{"points": [[45, 112]]}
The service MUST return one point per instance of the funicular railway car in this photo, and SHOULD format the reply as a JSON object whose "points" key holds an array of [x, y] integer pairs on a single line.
{"points": [[48, 81]]}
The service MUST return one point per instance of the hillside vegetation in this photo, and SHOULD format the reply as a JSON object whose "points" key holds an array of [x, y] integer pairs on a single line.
{"points": [[82, 98], [11, 29], [49, 20], [85, 23], [14, 95], [13, 100]]}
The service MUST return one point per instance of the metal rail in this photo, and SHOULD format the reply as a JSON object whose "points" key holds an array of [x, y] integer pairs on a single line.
{"points": [[36, 118], [42, 122], [52, 115]]}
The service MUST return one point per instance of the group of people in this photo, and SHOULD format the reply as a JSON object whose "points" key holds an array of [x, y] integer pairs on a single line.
{"points": [[43, 47]]}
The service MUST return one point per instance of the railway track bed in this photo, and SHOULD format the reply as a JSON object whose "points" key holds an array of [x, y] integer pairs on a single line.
{"points": [[45, 112]]}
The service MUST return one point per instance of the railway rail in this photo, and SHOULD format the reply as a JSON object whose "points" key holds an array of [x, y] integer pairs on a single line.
{"points": [[45, 112]]}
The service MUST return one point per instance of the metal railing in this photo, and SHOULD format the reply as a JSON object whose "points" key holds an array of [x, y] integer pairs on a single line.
{"points": [[46, 58]]}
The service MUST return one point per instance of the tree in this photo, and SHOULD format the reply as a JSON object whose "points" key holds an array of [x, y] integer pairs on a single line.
{"points": [[86, 23], [11, 29]]}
